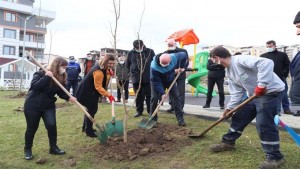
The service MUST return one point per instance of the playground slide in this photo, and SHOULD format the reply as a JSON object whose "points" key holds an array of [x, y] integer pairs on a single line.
{"points": [[194, 80]]}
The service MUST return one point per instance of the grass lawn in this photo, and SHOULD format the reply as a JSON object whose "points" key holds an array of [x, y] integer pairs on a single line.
{"points": [[248, 153]]}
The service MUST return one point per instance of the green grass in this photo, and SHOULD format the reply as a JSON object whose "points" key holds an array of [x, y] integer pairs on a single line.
{"points": [[248, 153]]}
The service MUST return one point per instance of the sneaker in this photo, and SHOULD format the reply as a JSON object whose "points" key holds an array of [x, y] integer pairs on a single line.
{"points": [[138, 114], [221, 147], [222, 107], [288, 112], [28, 154], [271, 164], [118, 100], [206, 106]]}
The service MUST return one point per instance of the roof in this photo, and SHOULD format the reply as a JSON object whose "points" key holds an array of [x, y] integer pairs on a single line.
{"points": [[5, 60], [15, 61], [185, 37]]}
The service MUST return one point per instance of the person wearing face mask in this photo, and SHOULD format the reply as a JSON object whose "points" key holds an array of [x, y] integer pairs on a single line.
{"points": [[40, 103], [73, 71], [139, 56], [180, 82], [216, 74], [295, 71], [89, 62], [162, 75], [281, 68], [254, 76], [92, 86], [123, 75]]}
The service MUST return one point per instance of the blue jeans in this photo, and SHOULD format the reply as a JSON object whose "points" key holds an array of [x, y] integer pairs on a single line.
{"points": [[264, 109], [285, 100]]}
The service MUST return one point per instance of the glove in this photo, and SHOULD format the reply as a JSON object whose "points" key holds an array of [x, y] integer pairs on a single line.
{"points": [[111, 98], [259, 91], [225, 112]]}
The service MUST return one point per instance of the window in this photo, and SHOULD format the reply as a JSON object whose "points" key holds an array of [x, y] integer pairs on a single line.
{"points": [[8, 50], [9, 33], [10, 16], [29, 37]]}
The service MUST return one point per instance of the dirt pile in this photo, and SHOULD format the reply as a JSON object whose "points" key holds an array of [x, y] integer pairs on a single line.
{"points": [[161, 140]]}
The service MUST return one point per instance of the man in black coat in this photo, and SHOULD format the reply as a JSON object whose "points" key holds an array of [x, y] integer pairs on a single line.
{"points": [[180, 82], [139, 59], [295, 71], [216, 74], [281, 69]]}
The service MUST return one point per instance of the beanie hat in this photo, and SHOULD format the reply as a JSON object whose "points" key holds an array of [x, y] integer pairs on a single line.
{"points": [[71, 58], [297, 18]]}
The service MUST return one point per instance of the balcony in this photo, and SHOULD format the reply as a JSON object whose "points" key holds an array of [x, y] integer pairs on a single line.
{"points": [[30, 44], [16, 7]]}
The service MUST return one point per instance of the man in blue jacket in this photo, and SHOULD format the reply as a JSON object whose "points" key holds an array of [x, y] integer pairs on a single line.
{"points": [[162, 74], [73, 71]]}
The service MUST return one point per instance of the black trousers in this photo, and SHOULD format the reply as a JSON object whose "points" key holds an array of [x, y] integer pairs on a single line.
{"points": [[33, 119], [210, 85], [92, 110], [155, 97], [72, 84], [125, 84], [144, 93], [181, 93]]}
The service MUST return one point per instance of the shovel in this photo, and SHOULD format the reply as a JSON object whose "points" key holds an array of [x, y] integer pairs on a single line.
{"points": [[149, 123], [229, 114], [294, 135], [115, 127], [101, 132]]}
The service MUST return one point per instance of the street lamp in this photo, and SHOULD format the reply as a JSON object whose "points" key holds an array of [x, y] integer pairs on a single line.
{"points": [[23, 53]]}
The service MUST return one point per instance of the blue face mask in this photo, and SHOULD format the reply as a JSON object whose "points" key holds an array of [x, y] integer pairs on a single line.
{"points": [[270, 49], [72, 61]]}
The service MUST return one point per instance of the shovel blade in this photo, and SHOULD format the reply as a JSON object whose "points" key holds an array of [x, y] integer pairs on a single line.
{"points": [[195, 136], [101, 134], [115, 129], [147, 123]]}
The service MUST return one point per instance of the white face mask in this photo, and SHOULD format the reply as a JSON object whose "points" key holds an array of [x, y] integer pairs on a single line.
{"points": [[139, 51], [62, 70], [270, 49], [89, 58], [172, 47], [122, 61]]}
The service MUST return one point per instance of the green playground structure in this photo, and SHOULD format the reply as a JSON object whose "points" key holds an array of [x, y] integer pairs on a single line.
{"points": [[200, 61]]}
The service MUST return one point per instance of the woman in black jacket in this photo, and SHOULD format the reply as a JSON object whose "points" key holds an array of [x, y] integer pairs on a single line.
{"points": [[40, 103]]}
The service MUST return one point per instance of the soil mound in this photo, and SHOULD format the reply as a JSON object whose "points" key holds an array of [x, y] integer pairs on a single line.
{"points": [[161, 140]]}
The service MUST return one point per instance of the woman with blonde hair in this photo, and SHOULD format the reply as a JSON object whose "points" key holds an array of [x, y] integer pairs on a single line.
{"points": [[92, 86], [40, 103]]}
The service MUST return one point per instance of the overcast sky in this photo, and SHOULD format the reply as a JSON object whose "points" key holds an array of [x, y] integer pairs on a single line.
{"points": [[81, 26]]}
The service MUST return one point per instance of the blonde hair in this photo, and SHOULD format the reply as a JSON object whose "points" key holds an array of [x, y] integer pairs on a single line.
{"points": [[54, 68]]}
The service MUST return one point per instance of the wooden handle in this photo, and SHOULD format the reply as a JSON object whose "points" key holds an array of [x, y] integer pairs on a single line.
{"points": [[160, 103], [228, 115], [61, 86]]}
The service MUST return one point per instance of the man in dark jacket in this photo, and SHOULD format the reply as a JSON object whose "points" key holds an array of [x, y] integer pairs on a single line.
{"points": [[123, 78], [216, 74], [180, 82], [281, 69], [73, 71], [295, 71], [163, 68], [139, 59]]}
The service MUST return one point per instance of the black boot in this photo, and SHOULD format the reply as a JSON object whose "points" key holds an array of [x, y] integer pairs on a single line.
{"points": [[55, 150], [28, 154], [91, 133]]}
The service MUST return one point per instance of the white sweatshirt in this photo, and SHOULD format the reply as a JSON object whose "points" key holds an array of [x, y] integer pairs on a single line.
{"points": [[246, 72]]}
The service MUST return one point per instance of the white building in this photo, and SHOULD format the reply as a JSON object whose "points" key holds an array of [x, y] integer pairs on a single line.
{"points": [[13, 16]]}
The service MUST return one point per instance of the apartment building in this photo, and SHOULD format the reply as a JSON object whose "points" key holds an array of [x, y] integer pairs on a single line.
{"points": [[21, 25]]}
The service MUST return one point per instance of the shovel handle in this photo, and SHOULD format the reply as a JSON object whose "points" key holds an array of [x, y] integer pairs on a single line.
{"points": [[227, 115], [61, 86], [168, 90]]}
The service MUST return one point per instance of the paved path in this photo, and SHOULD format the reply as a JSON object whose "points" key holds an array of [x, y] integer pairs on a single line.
{"points": [[194, 105]]}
